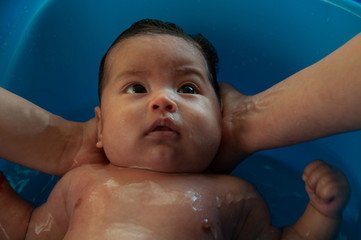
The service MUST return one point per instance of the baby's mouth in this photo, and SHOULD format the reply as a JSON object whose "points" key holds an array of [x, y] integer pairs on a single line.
{"points": [[163, 129]]}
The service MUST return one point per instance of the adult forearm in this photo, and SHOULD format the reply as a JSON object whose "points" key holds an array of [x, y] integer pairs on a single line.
{"points": [[31, 136], [318, 101]]}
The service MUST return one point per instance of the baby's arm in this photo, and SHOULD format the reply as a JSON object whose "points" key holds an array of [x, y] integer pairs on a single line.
{"points": [[19, 220], [329, 191], [50, 220], [15, 212], [48, 142]]}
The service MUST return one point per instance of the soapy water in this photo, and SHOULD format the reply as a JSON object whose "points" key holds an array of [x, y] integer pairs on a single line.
{"points": [[44, 226], [3, 233], [127, 231]]}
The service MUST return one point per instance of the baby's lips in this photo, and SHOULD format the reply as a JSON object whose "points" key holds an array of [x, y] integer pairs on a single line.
{"points": [[163, 124]]}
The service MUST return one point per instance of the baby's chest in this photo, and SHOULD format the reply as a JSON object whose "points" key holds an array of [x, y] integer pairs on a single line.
{"points": [[148, 198], [156, 209]]}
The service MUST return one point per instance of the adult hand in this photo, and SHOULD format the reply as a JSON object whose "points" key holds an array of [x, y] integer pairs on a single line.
{"points": [[234, 146], [35, 138], [320, 100], [87, 152]]}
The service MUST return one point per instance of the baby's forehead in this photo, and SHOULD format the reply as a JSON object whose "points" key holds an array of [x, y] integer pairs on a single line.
{"points": [[158, 42], [145, 51], [130, 52]]}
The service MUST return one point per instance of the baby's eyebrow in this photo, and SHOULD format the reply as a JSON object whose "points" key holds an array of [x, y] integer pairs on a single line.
{"points": [[190, 70], [131, 73], [180, 71]]}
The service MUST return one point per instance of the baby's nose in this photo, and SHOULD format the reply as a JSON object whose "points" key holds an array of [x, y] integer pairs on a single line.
{"points": [[164, 102]]}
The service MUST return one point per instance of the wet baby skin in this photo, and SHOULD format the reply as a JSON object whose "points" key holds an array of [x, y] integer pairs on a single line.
{"points": [[107, 202]]}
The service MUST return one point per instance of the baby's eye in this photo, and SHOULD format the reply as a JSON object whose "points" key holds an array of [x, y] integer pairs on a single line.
{"points": [[136, 88], [188, 89]]}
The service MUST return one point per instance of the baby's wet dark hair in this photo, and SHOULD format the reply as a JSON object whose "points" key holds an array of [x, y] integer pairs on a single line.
{"points": [[151, 26]]}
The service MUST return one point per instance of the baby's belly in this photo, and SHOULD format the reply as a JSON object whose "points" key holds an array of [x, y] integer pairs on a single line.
{"points": [[139, 222], [147, 230], [145, 211]]}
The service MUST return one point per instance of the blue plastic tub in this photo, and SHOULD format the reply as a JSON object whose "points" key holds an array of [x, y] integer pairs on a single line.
{"points": [[50, 52]]}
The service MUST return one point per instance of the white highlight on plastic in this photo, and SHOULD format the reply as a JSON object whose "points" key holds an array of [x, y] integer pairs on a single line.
{"points": [[348, 6], [45, 226]]}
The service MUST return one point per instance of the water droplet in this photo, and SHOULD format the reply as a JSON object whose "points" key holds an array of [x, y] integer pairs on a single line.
{"points": [[218, 202], [195, 200], [229, 198]]}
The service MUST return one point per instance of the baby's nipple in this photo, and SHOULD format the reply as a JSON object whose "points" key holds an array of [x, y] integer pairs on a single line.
{"points": [[206, 224], [208, 228]]}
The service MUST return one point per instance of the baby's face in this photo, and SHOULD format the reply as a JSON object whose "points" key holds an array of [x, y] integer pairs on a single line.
{"points": [[158, 108]]}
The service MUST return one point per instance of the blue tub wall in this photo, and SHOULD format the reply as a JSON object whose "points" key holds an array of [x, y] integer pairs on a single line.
{"points": [[50, 53], [63, 41]]}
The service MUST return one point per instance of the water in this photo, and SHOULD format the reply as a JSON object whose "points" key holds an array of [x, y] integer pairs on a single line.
{"points": [[50, 51]]}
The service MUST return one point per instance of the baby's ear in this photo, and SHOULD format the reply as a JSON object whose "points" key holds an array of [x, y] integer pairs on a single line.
{"points": [[98, 118]]}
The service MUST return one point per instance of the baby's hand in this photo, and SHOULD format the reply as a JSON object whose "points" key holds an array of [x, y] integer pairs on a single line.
{"points": [[327, 188]]}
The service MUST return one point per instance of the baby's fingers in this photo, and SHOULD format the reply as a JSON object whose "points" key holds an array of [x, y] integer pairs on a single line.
{"points": [[325, 181], [314, 172], [327, 188]]}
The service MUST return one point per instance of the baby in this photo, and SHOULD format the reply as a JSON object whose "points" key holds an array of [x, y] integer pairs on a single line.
{"points": [[159, 124]]}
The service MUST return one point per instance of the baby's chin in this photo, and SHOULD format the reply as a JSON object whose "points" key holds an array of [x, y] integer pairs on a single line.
{"points": [[164, 169]]}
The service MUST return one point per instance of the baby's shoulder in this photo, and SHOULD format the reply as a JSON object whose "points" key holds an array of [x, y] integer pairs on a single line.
{"points": [[86, 170], [82, 176], [82, 179]]}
